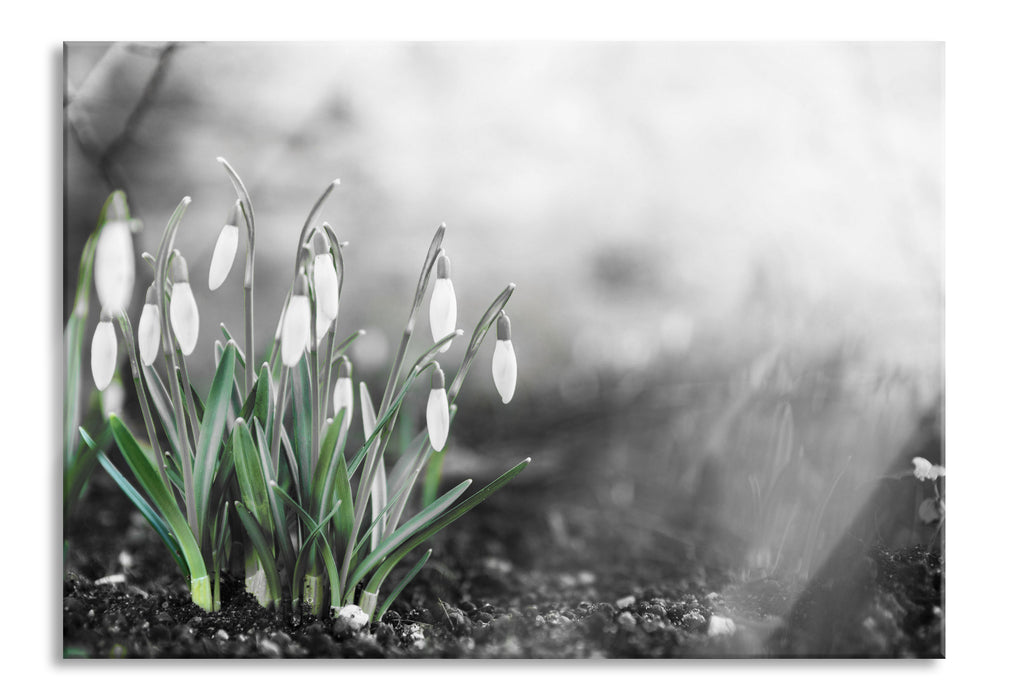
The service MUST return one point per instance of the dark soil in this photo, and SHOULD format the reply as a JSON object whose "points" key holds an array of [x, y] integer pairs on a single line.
{"points": [[536, 572]]}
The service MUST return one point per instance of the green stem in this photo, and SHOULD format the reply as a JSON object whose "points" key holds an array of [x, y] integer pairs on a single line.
{"points": [[145, 409]]}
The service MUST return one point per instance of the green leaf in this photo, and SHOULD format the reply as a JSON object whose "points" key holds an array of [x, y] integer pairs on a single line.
{"points": [[159, 396], [212, 432], [408, 530], [432, 478], [321, 478], [310, 545], [251, 483], [440, 523], [163, 499], [379, 486], [156, 521], [279, 517], [264, 549], [303, 417], [79, 472], [402, 585]]}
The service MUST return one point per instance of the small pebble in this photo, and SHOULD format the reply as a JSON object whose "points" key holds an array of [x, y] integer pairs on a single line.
{"points": [[625, 602], [626, 620], [221, 636], [270, 648]]}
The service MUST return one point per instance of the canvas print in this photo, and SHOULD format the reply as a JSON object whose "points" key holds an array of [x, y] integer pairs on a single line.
{"points": [[526, 350]]}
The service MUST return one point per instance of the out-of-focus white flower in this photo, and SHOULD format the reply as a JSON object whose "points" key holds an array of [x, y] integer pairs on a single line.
{"points": [[224, 251], [114, 265], [720, 626], [149, 328], [104, 350], [503, 367], [296, 333], [182, 311], [437, 410], [931, 510], [443, 306], [923, 469], [343, 395]]}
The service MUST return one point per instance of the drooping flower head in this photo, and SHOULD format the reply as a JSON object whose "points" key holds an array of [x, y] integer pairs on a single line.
{"points": [[104, 351], [327, 284], [182, 311], [114, 263], [297, 331], [343, 394], [149, 328], [225, 249], [503, 367], [443, 306], [437, 410]]}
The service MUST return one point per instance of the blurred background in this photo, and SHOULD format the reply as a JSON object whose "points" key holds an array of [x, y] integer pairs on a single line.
{"points": [[728, 257]]}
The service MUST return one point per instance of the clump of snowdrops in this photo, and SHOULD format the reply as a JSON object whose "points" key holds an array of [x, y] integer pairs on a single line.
{"points": [[254, 474]]}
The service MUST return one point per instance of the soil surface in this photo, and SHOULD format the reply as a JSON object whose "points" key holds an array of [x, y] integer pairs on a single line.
{"points": [[513, 579]]}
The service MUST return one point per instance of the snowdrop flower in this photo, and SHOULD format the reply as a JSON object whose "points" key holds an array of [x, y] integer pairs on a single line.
{"points": [[443, 307], [296, 333], [923, 469], [224, 251], [503, 367], [182, 311], [343, 394], [327, 284], [114, 265], [437, 410], [149, 328], [103, 351]]}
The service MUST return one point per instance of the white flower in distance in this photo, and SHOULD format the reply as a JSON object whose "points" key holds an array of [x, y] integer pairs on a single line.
{"points": [[343, 395], [224, 251], [443, 306], [149, 328], [296, 333], [923, 469], [104, 350], [503, 367], [114, 265], [437, 411], [182, 311]]}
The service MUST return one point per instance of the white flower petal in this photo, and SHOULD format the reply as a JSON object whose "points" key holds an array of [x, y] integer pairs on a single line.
{"points": [[114, 266], [297, 333], [103, 354], [149, 334], [343, 398], [504, 369], [443, 310], [922, 468], [437, 418], [185, 317], [327, 285], [224, 256], [322, 325]]}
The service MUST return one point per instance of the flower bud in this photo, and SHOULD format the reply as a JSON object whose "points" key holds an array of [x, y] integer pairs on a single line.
{"points": [[296, 333], [343, 395], [503, 367], [437, 410], [327, 285], [114, 265], [224, 251], [104, 350], [149, 328], [182, 311], [443, 307]]}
